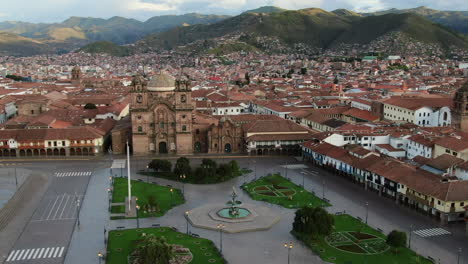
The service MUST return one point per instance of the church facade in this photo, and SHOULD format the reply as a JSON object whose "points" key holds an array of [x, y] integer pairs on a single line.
{"points": [[164, 121], [461, 109]]}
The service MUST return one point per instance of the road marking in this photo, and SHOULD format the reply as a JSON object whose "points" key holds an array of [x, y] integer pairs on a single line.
{"points": [[35, 253], [53, 206], [64, 206], [72, 174], [58, 207], [430, 232]]}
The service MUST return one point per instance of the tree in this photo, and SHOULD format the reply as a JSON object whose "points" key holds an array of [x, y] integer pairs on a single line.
{"points": [[153, 250], [315, 222], [209, 163], [396, 239], [182, 166], [160, 165], [90, 106], [224, 171], [235, 169]]}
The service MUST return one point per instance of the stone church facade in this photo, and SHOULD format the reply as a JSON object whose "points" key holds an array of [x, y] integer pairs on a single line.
{"points": [[164, 121], [460, 112]]}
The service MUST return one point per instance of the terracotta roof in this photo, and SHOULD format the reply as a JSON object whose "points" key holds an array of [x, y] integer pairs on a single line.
{"points": [[361, 114], [453, 143], [269, 137], [279, 126], [418, 102], [445, 161]]}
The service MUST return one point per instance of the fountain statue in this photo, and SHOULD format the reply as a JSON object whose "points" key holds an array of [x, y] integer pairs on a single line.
{"points": [[234, 208]]}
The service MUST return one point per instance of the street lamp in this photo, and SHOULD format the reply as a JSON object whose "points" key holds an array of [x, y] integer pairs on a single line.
{"points": [[78, 213], [303, 179], [182, 179], [147, 174], [255, 168], [186, 219], [367, 211], [289, 247], [137, 215], [172, 190], [109, 194], [100, 255], [459, 255], [410, 234], [323, 190], [220, 228], [286, 169]]}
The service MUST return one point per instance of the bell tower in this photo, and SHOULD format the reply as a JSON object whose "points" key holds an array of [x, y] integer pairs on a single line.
{"points": [[76, 76], [183, 110], [139, 93], [460, 112]]}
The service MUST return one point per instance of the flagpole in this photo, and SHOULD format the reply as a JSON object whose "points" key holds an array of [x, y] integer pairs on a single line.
{"points": [[129, 183]]}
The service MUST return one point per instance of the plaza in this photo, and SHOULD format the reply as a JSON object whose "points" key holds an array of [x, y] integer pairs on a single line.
{"points": [[82, 244]]}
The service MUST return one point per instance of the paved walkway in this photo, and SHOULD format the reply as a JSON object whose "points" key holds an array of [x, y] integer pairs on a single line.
{"points": [[88, 239]]}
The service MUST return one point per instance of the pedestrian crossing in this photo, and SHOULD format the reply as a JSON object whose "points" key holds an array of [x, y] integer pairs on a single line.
{"points": [[35, 253], [73, 174], [429, 232], [60, 207]]}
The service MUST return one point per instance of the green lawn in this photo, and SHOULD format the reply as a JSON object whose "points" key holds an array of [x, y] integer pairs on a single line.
{"points": [[344, 224], [143, 191], [278, 190], [123, 242]]}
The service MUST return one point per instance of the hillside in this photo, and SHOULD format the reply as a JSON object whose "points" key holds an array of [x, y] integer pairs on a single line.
{"points": [[457, 20], [78, 31], [106, 47], [266, 10], [314, 27], [15, 45]]}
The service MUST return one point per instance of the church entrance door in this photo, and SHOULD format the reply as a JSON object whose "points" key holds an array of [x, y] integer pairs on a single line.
{"points": [[227, 148], [162, 148]]}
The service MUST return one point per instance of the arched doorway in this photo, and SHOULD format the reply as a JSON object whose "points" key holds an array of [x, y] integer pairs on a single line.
{"points": [[197, 147], [29, 153], [78, 152], [49, 152], [85, 151], [62, 152], [22, 153], [259, 152], [35, 152], [227, 148], [56, 152], [72, 152], [162, 147], [13, 153], [6, 153]]}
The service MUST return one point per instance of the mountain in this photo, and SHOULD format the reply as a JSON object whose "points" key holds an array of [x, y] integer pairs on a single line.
{"points": [[78, 31], [15, 45], [266, 10], [106, 47], [313, 26], [457, 20], [345, 12]]}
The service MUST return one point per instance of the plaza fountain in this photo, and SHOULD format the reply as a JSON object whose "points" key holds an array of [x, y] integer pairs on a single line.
{"points": [[235, 215]]}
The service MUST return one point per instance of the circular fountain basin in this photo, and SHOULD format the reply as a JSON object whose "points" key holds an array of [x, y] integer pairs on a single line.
{"points": [[225, 213]]}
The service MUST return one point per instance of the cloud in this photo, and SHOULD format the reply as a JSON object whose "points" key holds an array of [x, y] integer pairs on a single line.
{"points": [[59, 10], [145, 6]]}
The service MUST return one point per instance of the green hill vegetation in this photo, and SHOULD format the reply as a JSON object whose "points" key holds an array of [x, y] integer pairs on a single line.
{"points": [[313, 26], [106, 47], [456, 20]]}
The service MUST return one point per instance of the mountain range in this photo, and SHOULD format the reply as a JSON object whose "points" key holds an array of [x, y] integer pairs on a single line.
{"points": [[312, 26]]}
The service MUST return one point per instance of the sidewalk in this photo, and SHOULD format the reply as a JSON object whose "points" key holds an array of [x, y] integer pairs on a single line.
{"points": [[88, 239]]}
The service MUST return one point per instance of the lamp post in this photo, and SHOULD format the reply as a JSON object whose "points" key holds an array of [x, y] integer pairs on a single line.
{"points": [[323, 190], [137, 215], [100, 255], [459, 255], [220, 228], [286, 169], [182, 179], [255, 169], [303, 179], [147, 173], [78, 212], [172, 190], [109, 194], [410, 235], [367, 211], [289, 246], [186, 220]]}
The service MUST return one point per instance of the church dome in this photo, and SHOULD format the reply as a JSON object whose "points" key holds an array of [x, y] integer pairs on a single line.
{"points": [[162, 83]]}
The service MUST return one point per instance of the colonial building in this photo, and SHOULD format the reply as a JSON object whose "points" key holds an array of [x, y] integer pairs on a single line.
{"points": [[460, 113]]}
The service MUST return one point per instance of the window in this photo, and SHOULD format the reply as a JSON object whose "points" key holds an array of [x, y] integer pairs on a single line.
{"points": [[462, 204], [55, 143], [454, 153], [139, 117], [63, 143], [183, 116], [183, 98], [32, 112], [49, 144], [161, 124], [197, 131], [140, 129], [184, 128], [447, 151]]}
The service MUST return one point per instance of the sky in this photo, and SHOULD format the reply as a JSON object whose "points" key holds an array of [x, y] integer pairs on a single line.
{"points": [[49, 11]]}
